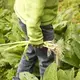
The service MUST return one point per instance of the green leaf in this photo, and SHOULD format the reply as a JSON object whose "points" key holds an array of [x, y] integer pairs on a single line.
{"points": [[66, 74], [78, 76], [73, 61], [27, 76], [62, 75], [9, 58], [51, 72], [76, 48], [60, 27], [70, 74]]}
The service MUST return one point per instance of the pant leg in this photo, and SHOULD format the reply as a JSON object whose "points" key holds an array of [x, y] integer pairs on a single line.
{"points": [[48, 32], [23, 26], [27, 65], [44, 59]]}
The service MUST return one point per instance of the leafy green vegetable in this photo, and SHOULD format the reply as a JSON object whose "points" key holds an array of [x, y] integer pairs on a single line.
{"points": [[51, 72], [66, 74], [62, 75], [67, 31], [78, 76], [27, 76]]}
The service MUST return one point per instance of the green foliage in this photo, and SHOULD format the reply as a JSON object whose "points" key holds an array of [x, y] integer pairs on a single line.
{"points": [[72, 9], [10, 74], [51, 72], [67, 37], [27, 76], [9, 27], [71, 49], [66, 74], [78, 76]]}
